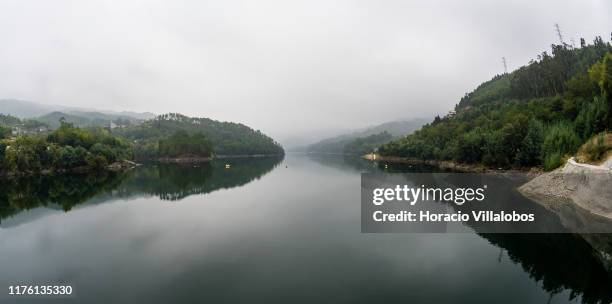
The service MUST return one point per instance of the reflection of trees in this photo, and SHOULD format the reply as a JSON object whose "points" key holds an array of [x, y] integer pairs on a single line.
{"points": [[175, 182], [340, 161], [64, 191], [559, 261], [166, 181], [357, 163]]}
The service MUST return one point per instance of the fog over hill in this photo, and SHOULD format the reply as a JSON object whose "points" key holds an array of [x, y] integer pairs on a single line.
{"points": [[283, 67], [336, 143], [29, 109]]}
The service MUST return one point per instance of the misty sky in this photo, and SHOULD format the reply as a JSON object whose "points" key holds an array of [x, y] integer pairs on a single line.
{"points": [[285, 67]]}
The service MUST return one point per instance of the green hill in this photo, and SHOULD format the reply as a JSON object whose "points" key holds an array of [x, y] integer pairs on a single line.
{"points": [[534, 116], [227, 138]]}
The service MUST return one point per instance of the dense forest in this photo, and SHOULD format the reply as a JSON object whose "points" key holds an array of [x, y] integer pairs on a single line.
{"points": [[227, 138], [182, 143], [66, 148], [538, 115], [29, 146]]}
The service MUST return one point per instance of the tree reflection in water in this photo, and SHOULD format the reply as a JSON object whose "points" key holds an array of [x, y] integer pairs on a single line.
{"points": [[166, 181]]}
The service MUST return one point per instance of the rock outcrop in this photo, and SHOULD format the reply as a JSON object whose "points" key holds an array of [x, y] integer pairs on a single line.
{"points": [[581, 195]]}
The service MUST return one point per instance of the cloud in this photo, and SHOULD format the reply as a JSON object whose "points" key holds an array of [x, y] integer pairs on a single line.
{"points": [[285, 67]]}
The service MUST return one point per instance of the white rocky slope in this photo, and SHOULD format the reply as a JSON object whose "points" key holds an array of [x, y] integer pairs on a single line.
{"points": [[581, 196], [587, 186]]}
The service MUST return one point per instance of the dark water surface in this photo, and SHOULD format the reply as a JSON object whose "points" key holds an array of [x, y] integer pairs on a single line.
{"points": [[264, 231]]}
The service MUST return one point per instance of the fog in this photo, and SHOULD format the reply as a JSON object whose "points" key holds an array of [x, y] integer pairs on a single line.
{"points": [[288, 68]]}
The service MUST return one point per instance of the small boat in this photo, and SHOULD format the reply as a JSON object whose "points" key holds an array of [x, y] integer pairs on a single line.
{"points": [[227, 166]]}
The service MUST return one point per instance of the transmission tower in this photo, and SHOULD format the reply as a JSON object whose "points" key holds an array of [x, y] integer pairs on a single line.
{"points": [[505, 65], [559, 33]]}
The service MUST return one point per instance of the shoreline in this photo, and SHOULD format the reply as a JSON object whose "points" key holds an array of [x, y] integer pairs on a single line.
{"points": [[447, 164], [196, 160], [583, 185], [128, 164], [114, 167]]}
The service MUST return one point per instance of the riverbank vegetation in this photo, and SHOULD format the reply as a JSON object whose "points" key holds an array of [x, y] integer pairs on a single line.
{"points": [[28, 147], [537, 115], [597, 149], [65, 149]]}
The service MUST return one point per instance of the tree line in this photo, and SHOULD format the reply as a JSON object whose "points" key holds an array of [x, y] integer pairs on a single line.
{"points": [[534, 116], [66, 148], [70, 148]]}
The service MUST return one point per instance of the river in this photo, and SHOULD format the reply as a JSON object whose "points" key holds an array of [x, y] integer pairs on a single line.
{"points": [[264, 231]]}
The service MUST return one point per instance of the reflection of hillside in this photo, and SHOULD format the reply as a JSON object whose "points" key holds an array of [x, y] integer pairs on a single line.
{"points": [[357, 163], [166, 181], [175, 182], [559, 261], [61, 191]]}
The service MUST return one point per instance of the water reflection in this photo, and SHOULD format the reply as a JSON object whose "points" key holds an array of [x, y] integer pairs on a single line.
{"points": [[166, 181], [560, 262], [59, 192], [358, 164], [175, 182], [578, 263], [298, 242]]}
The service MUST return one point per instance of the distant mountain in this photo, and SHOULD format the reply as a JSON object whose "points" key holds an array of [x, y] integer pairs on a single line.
{"points": [[52, 119], [337, 144], [86, 119], [28, 109]]}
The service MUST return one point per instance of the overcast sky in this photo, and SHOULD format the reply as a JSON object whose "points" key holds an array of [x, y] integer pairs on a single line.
{"points": [[285, 67]]}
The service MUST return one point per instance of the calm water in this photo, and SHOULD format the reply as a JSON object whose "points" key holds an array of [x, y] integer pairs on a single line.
{"points": [[264, 231]]}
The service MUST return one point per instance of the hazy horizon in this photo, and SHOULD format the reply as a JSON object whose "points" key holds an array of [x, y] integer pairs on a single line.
{"points": [[289, 69]]}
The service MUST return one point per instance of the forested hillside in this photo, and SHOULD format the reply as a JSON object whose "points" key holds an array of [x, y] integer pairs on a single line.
{"points": [[227, 138], [27, 146], [537, 115], [66, 148], [367, 139], [367, 144]]}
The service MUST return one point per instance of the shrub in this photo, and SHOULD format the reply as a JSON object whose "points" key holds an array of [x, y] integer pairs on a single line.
{"points": [[560, 139], [553, 161]]}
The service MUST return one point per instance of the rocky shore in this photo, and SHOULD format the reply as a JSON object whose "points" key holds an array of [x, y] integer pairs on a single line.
{"points": [[581, 196], [587, 186]]}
